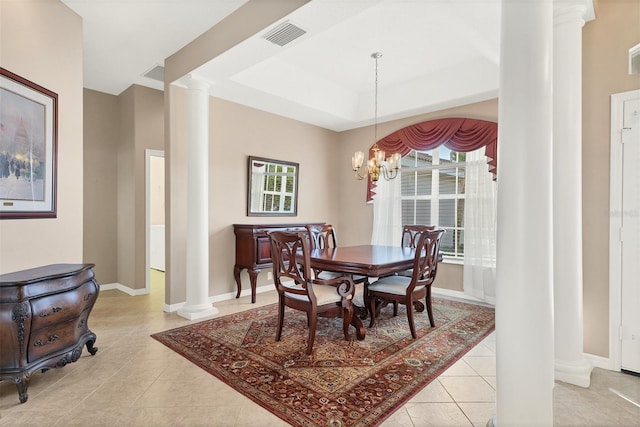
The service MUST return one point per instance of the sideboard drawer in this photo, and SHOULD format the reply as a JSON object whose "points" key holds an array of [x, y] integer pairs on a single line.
{"points": [[57, 308], [51, 339]]}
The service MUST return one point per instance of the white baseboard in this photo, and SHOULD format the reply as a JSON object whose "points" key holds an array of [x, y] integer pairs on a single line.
{"points": [[122, 288], [456, 294], [170, 308], [600, 362]]}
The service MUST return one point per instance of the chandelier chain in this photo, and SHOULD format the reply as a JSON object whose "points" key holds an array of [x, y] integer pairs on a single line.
{"points": [[375, 114]]}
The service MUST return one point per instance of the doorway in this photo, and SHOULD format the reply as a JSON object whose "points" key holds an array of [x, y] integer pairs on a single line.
{"points": [[155, 223], [624, 232]]}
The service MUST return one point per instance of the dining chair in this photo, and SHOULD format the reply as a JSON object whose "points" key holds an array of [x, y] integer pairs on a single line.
{"points": [[410, 235], [298, 289], [409, 290], [322, 237]]}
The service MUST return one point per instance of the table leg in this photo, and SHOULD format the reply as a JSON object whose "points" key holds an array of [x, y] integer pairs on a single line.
{"points": [[360, 330]]}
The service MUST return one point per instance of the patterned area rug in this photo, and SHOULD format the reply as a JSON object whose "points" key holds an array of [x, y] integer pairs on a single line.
{"points": [[343, 383]]}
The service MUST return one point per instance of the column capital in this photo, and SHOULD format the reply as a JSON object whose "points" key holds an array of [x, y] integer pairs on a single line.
{"points": [[197, 83], [566, 11]]}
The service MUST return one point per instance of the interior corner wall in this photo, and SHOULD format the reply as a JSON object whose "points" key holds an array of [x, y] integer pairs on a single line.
{"points": [[126, 189], [100, 184], [148, 134], [606, 42], [141, 127], [42, 42], [356, 215]]}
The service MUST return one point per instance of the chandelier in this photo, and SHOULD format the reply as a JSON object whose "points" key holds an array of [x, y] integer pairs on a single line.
{"points": [[376, 165]]}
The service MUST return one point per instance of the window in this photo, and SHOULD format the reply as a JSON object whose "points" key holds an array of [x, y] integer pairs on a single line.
{"points": [[432, 192]]}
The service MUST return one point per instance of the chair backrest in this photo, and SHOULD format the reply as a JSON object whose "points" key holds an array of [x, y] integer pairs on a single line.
{"points": [[425, 264], [322, 236], [285, 247], [410, 234]]}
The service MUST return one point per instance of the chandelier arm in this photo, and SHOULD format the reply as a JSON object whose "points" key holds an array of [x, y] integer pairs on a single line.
{"points": [[389, 174], [356, 173]]}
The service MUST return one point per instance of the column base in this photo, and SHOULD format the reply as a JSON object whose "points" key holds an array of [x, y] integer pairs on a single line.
{"points": [[198, 311], [576, 372]]}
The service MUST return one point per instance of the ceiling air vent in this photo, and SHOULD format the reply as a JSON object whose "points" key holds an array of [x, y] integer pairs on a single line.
{"points": [[156, 73], [284, 33]]}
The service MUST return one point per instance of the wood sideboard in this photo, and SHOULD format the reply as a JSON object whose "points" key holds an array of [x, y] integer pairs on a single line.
{"points": [[253, 250], [44, 313]]}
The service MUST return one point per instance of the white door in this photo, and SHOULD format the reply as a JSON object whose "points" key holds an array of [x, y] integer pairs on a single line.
{"points": [[630, 237]]}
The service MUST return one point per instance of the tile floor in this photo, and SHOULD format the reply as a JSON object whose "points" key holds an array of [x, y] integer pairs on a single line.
{"points": [[135, 381]]}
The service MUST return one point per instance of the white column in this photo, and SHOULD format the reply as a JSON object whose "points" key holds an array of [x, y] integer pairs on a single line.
{"points": [[570, 365], [197, 305], [524, 305]]}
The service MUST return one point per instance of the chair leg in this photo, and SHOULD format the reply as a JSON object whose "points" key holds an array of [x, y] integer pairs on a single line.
{"points": [[429, 309], [412, 326], [312, 333], [280, 319], [395, 308], [372, 311]]}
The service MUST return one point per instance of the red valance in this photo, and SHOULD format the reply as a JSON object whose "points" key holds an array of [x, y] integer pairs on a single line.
{"points": [[457, 134]]}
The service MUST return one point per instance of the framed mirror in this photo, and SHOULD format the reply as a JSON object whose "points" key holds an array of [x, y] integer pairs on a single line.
{"points": [[272, 188]]}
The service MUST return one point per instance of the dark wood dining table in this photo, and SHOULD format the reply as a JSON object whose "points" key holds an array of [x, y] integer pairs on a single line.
{"points": [[365, 260]]}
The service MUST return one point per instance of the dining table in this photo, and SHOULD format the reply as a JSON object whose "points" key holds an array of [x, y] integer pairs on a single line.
{"points": [[365, 260]]}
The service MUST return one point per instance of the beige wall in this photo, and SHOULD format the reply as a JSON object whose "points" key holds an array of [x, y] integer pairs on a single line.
{"points": [[606, 42], [126, 189], [141, 127], [235, 133], [42, 42], [156, 190], [101, 135]]}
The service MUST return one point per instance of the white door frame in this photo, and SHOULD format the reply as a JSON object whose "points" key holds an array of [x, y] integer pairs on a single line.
{"points": [[615, 226], [148, 153]]}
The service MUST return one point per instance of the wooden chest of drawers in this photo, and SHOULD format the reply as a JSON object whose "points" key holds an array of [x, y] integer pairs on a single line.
{"points": [[253, 250], [43, 320]]}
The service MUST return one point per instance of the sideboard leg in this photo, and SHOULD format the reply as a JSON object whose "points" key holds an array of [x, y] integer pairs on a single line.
{"points": [[236, 275], [90, 348], [22, 383], [253, 275]]}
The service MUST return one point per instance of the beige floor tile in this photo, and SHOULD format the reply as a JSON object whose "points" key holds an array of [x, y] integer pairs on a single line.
{"points": [[481, 350], [434, 392], [459, 369], [437, 415], [400, 418], [478, 413], [483, 365], [468, 389], [491, 381], [134, 380]]}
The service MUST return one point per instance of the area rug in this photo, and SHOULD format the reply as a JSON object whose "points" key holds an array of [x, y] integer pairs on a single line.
{"points": [[343, 383]]}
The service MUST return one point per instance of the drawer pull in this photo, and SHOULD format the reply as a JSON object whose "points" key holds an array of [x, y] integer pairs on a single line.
{"points": [[40, 343], [54, 310], [87, 296]]}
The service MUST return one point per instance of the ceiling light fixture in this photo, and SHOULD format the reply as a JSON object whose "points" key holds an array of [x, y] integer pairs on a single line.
{"points": [[376, 165]]}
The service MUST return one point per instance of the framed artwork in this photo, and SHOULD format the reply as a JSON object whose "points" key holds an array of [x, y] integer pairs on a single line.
{"points": [[28, 148]]}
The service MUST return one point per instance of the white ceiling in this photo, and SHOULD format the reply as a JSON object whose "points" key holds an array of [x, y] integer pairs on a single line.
{"points": [[436, 54]]}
